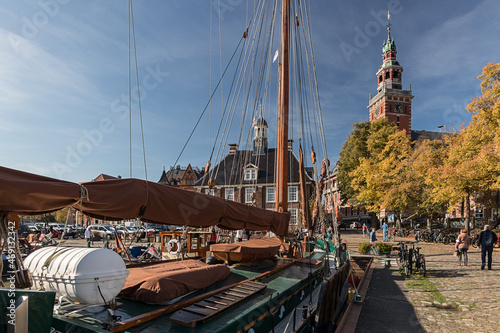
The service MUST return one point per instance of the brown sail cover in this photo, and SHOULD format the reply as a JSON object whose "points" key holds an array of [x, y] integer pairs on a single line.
{"points": [[119, 199], [251, 250], [165, 281], [29, 194]]}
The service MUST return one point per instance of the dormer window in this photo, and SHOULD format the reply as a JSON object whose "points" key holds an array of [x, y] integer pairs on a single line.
{"points": [[250, 173]]}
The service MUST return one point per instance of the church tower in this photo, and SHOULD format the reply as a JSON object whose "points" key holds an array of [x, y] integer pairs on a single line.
{"points": [[391, 102], [260, 137]]}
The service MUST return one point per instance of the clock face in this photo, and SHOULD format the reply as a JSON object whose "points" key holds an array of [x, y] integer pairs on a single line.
{"points": [[398, 107], [377, 111]]}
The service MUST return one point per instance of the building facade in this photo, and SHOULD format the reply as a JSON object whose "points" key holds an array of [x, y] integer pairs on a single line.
{"points": [[248, 176], [391, 101], [183, 177]]}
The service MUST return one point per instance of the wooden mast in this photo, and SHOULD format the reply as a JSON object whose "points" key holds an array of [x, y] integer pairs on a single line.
{"points": [[284, 87]]}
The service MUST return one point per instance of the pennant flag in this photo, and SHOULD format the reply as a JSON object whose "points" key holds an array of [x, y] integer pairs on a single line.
{"points": [[275, 56], [152, 251]]}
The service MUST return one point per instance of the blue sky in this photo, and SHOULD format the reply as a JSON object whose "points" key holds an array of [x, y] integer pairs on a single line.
{"points": [[64, 74]]}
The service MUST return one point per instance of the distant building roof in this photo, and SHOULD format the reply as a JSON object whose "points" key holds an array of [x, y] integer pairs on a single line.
{"points": [[231, 170], [103, 176], [174, 175], [426, 135]]}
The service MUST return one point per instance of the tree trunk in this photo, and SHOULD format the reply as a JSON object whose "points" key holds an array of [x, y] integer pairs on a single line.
{"points": [[467, 213], [374, 220]]}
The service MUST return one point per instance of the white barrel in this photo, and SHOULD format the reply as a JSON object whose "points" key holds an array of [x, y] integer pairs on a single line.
{"points": [[84, 275]]}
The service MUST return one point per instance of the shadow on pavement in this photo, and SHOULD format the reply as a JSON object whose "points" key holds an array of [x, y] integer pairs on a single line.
{"points": [[385, 307]]}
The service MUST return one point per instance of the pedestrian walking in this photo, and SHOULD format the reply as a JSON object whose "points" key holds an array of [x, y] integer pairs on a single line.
{"points": [[373, 236], [416, 231], [239, 235], [487, 238], [365, 230], [385, 229], [394, 232], [462, 246], [89, 236]]}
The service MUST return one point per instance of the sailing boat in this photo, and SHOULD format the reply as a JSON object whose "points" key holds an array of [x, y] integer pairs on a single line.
{"points": [[285, 294]]}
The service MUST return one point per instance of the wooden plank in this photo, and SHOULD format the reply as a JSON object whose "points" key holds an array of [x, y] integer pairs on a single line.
{"points": [[199, 311], [216, 307]]}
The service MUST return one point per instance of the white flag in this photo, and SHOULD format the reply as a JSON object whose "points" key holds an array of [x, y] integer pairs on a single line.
{"points": [[275, 56]]}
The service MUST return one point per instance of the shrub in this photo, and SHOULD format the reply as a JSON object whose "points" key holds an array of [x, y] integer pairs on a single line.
{"points": [[384, 248], [363, 248]]}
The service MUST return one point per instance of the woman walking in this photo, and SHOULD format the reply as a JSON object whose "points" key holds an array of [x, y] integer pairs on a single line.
{"points": [[462, 245]]}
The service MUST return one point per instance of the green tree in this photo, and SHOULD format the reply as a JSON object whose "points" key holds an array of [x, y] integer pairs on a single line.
{"points": [[354, 149], [426, 161], [471, 159], [358, 163]]}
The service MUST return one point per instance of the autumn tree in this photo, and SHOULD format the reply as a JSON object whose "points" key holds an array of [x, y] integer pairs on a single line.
{"points": [[354, 149], [358, 163], [426, 163], [385, 180]]}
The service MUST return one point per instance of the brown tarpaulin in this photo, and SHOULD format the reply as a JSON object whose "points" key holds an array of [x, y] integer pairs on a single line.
{"points": [[119, 199], [159, 203], [163, 282], [252, 246], [29, 194]]}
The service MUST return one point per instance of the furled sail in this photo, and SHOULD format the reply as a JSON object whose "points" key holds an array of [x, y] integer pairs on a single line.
{"points": [[117, 199]]}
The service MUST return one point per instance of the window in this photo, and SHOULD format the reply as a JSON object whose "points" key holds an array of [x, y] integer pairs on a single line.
{"points": [[478, 212], [293, 216], [250, 174], [230, 194], [292, 194], [248, 195], [210, 191], [271, 194]]}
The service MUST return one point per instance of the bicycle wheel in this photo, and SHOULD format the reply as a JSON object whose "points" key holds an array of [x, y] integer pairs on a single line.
{"points": [[399, 260], [423, 270], [408, 269]]}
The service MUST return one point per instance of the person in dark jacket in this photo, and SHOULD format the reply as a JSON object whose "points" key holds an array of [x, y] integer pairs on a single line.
{"points": [[373, 236], [486, 239]]}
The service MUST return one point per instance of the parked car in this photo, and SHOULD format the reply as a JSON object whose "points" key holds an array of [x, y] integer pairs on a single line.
{"points": [[23, 231], [342, 224], [355, 225], [33, 229], [127, 230], [100, 232]]}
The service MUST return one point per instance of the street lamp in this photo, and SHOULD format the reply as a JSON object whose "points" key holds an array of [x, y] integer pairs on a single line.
{"points": [[440, 128]]}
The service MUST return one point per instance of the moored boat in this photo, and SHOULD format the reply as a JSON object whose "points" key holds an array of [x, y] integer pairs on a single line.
{"points": [[284, 293]]}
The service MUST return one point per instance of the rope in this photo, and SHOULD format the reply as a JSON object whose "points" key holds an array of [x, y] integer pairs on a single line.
{"points": [[208, 103]]}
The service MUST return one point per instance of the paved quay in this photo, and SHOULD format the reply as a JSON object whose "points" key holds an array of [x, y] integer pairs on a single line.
{"points": [[450, 298]]}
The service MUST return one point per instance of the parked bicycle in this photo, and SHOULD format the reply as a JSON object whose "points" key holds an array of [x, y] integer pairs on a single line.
{"points": [[410, 260]]}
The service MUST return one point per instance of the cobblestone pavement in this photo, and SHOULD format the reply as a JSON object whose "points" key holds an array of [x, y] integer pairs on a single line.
{"points": [[470, 296]]}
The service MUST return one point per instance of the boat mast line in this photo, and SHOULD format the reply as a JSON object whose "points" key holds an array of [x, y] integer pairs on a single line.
{"points": [[208, 103]]}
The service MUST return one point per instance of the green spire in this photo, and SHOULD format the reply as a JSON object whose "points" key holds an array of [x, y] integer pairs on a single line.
{"points": [[389, 44]]}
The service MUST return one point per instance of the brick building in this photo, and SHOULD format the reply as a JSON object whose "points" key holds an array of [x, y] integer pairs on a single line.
{"points": [[248, 176]]}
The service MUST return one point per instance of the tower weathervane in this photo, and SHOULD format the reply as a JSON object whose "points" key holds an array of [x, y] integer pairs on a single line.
{"points": [[388, 25]]}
